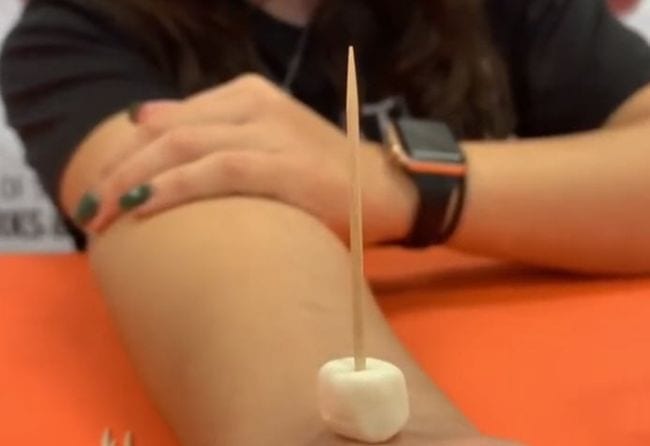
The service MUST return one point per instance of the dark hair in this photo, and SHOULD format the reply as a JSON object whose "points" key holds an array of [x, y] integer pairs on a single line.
{"points": [[436, 53]]}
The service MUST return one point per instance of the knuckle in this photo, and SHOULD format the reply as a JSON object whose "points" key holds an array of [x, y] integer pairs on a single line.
{"points": [[254, 81], [232, 168], [179, 141], [179, 184], [261, 92]]}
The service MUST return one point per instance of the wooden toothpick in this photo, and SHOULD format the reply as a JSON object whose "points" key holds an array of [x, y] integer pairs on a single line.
{"points": [[356, 220]]}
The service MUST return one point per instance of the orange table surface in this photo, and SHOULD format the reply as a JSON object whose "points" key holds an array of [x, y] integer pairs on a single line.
{"points": [[545, 358]]}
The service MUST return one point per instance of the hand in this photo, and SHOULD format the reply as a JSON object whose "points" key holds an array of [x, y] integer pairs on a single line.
{"points": [[247, 137]]}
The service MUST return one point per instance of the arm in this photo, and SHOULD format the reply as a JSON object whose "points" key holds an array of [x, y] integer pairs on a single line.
{"points": [[578, 202], [228, 321], [575, 202]]}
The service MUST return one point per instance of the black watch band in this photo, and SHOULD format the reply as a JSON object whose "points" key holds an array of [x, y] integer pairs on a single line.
{"points": [[430, 155], [440, 202]]}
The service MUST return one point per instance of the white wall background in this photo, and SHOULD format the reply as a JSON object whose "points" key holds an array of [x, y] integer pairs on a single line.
{"points": [[640, 19], [27, 221]]}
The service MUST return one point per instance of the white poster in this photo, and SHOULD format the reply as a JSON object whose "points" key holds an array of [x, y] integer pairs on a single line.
{"points": [[28, 222]]}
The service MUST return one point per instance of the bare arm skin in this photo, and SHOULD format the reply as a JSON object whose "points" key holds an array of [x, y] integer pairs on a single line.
{"points": [[579, 202], [228, 319]]}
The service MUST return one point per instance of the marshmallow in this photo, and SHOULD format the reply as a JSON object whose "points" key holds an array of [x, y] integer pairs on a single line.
{"points": [[369, 405]]}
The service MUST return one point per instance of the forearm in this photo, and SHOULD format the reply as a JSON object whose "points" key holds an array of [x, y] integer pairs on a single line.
{"points": [[230, 307], [578, 202]]}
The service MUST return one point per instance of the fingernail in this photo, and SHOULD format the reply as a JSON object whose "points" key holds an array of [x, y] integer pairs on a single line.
{"points": [[135, 197], [86, 209], [133, 112]]}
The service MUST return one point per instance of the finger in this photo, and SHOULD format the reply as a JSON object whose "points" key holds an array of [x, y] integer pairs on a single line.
{"points": [[242, 172], [126, 144], [238, 101], [177, 147]]}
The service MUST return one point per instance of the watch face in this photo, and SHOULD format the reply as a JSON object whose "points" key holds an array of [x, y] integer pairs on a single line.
{"points": [[429, 141]]}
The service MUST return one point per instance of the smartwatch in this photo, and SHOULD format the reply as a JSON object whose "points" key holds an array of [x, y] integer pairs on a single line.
{"points": [[428, 152]]}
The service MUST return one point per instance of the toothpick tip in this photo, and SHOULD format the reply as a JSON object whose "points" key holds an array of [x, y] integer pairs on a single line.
{"points": [[350, 55]]}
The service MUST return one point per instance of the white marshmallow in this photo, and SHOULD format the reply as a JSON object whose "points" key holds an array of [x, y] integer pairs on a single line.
{"points": [[370, 405]]}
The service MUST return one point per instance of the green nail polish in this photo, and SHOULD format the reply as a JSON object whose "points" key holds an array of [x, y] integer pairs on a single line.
{"points": [[87, 208], [135, 197], [134, 111]]}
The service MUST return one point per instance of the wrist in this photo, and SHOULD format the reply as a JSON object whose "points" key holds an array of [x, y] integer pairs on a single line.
{"points": [[398, 197], [432, 158], [441, 201]]}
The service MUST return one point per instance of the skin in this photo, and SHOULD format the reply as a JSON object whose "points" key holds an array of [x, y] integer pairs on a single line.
{"points": [[211, 344], [217, 144], [228, 324]]}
